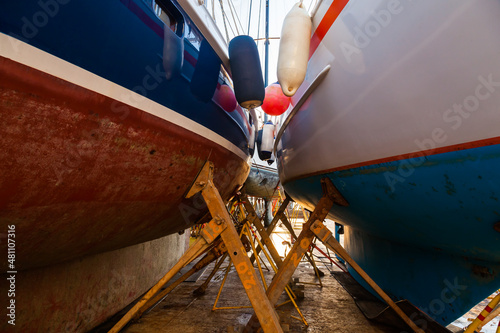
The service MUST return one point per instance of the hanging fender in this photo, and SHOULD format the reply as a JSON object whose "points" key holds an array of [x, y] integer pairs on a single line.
{"points": [[246, 72], [266, 142], [294, 49]]}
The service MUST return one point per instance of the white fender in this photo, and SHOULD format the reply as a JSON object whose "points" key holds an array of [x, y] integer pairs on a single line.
{"points": [[294, 49], [267, 143]]}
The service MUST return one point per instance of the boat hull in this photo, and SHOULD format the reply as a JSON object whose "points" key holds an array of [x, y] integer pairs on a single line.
{"points": [[413, 273], [78, 295], [78, 180], [262, 182], [417, 241], [404, 125], [99, 146]]}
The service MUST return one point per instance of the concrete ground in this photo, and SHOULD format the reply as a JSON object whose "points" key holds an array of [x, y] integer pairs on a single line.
{"points": [[326, 309]]}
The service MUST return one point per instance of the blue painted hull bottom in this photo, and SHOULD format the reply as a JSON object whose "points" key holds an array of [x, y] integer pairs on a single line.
{"points": [[422, 228], [443, 286]]}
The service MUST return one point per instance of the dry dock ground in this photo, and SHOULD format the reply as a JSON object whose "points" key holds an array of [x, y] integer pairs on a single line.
{"points": [[326, 309]]}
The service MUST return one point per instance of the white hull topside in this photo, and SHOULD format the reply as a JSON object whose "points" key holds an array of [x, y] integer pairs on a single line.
{"points": [[406, 76]]}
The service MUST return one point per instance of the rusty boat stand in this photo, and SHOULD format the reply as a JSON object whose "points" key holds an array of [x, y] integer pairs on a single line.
{"points": [[221, 224], [229, 243]]}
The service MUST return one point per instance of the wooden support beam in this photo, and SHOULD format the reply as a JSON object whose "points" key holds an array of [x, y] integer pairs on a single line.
{"points": [[202, 289], [279, 215], [222, 225]]}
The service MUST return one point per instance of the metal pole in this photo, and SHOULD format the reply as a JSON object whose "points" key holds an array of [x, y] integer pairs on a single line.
{"points": [[266, 62], [249, 17]]}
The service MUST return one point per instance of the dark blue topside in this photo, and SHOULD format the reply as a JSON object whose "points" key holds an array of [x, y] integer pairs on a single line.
{"points": [[122, 41]]}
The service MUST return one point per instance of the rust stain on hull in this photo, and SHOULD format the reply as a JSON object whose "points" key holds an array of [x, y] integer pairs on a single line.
{"points": [[82, 173]]}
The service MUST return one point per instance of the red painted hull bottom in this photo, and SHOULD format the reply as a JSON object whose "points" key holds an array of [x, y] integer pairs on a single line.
{"points": [[82, 173]]}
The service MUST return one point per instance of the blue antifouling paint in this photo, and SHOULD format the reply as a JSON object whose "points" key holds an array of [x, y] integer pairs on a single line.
{"points": [[246, 71]]}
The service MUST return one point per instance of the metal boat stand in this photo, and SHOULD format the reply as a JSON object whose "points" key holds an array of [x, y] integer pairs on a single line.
{"points": [[240, 216], [265, 235], [490, 312], [314, 227], [309, 256], [220, 225], [248, 233], [254, 219], [279, 216]]}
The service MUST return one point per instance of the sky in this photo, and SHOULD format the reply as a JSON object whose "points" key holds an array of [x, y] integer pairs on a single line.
{"points": [[277, 12]]}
